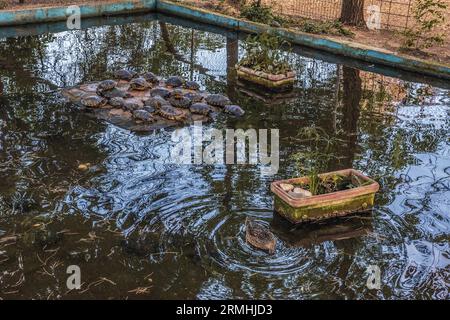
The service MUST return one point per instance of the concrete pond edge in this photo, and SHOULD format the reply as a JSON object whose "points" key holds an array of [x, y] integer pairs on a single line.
{"points": [[336, 46]]}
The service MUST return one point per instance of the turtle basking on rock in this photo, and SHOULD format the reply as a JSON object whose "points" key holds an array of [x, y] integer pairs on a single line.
{"points": [[194, 96], [139, 84], [191, 85], [217, 100], [174, 82], [170, 113], [177, 93], [105, 86], [259, 236], [200, 108], [124, 74], [150, 77], [117, 102], [160, 91], [178, 100], [234, 110], [181, 102], [131, 105], [155, 102], [149, 109], [143, 115], [93, 101], [114, 93]]}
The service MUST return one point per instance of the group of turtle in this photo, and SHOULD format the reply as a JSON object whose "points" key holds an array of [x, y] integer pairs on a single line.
{"points": [[166, 97]]}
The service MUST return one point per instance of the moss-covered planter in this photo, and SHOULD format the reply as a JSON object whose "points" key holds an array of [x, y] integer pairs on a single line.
{"points": [[275, 82], [328, 205]]}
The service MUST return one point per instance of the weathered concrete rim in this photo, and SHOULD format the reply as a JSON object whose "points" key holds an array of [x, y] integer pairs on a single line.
{"points": [[60, 13], [323, 43]]}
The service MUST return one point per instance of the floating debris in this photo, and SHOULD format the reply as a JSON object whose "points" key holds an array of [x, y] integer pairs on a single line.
{"points": [[84, 166], [259, 236]]}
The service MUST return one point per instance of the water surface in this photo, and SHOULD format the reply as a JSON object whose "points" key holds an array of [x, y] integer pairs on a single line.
{"points": [[141, 227]]}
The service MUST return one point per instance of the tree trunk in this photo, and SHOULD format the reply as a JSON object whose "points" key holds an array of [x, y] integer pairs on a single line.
{"points": [[351, 99], [352, 12], [232, 60]]}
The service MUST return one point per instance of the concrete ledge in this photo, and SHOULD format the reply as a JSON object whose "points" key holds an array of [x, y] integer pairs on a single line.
{"points": [[335, 46], [50, 14]]}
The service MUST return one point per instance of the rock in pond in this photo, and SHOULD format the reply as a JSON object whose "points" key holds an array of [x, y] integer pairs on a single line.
{"points": [[124, 97]]}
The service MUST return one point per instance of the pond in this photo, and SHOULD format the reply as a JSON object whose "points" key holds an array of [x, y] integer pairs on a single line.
{"points": [[139, 226]]}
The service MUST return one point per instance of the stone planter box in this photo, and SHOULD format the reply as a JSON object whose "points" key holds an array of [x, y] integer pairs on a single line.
{"points": [[324, 206], [276, 82]]}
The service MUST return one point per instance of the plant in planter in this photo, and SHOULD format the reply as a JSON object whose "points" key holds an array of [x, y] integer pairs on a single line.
{"points": [[318, 195], [265, 64]]}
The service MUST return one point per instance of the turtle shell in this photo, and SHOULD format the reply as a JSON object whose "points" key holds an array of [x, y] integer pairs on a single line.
{"points": [[139, 84], [149, 109], [174, 81], [169, 112], [160, 91], [150, 77], [143, 115], [124, 74], [106, 85], [217, 100], [93, 101], [192, 85], [177, 93], [117, 102], [234, 110], [131, 105], [114, 92], [182, 102], [155, 102], [194, 97], [200, 108]]}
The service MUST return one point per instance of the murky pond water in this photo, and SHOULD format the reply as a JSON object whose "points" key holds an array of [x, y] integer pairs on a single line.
{"points": [[139, 226]]}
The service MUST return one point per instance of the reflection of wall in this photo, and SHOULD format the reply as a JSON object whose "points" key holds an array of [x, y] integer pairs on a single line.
{"points": [[381, 93]]}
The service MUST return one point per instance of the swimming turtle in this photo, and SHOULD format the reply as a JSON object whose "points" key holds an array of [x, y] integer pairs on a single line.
{"points": [[181, 102], [123, 74], [194, 96], [105, 86], [117, 102], [139, 84], [217, 100], [192, 85], [200, 108], [259, 235], [143, 115], [150, 77], [131, 105], [169, 112], [174, 82], [234, 110], [160, 91], [93, 101]]}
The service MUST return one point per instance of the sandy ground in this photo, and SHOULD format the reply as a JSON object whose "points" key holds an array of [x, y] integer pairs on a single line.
{"points": [[393, 13]]}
